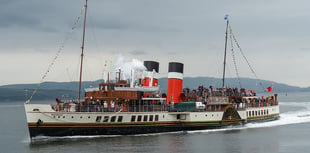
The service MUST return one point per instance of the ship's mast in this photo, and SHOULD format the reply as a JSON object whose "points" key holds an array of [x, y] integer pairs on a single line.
{"points": [[82, 54], [225, 55]]}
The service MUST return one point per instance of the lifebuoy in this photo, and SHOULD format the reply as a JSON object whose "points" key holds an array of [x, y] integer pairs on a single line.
{"points": [[208, 100]]}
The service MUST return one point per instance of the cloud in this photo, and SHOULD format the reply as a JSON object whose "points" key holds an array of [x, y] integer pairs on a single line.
{"points": [[190, 31]]}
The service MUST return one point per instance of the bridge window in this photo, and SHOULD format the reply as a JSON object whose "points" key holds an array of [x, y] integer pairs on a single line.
{"points": [[145, 118], [156, 117], [113, 118], [120, 119], [106, 119], [151, 118], [98, 119], [133, 118], [139, 118]]}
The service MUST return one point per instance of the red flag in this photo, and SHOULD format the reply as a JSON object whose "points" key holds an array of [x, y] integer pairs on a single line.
{"points": [[269, 88]]}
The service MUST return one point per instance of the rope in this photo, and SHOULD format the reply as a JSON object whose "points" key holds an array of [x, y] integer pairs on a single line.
{"points": [[57, 54], [234, 58], [252, 70]]}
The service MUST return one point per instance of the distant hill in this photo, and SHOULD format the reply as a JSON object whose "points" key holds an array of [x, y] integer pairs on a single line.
{"points": [[67, 90]]}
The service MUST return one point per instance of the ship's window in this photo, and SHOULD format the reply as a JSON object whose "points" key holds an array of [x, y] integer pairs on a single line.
{"points": [[58, 116], [36, 109], [139, 118], [106, 119], [145, 118], [206, 115], [88, 116], [133, 118], [258, 113], [264, 112], [72, 117], [98, 119], [81, 116], [63, 116], [178, 116], [267, 112], [156, 117], [151, 118], [113, 118], [255, 113], [120, 119], [252, 113], [163, 116]]}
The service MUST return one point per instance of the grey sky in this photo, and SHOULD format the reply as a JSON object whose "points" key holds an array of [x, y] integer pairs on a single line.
{"points": [[273, 34]]}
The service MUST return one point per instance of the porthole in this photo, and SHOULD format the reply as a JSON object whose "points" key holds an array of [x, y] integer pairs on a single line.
{"points": [[88, 116], [206, 115], [72, 117], [63, 116], [81, 116]]}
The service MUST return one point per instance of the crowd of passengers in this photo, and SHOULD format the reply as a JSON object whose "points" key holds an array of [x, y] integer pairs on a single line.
{"points": [[200, 94]]}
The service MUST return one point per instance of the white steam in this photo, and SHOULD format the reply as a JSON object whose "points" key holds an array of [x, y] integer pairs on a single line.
{"points": [[130, 68]]}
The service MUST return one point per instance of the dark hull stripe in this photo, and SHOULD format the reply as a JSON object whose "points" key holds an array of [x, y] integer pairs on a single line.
{"points": [[121, 129], [70, 131]]}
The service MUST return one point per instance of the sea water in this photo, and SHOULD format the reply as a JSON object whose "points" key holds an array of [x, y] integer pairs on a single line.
{"points": [[288, 134]]}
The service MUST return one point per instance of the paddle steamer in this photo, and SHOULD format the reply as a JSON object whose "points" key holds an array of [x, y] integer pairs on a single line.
{"points": [[121, 107]]}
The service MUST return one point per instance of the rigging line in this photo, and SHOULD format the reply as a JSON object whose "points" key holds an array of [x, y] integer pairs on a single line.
{"points": [[57, 54], [234, 58], [242, 53]]}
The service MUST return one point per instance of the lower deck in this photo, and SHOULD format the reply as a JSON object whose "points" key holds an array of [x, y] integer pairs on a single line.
{"points": [[43, 120]]}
